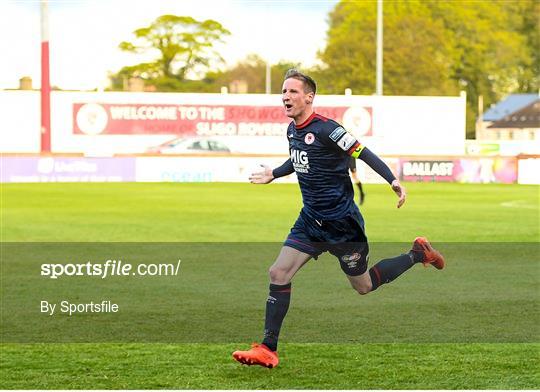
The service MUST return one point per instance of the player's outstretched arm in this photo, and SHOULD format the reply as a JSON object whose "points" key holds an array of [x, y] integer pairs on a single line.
{"points": [[264, 176], [268, 175]]}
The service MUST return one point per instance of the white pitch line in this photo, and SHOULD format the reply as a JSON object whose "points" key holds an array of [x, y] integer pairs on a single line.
{"points": [[519, 204]]}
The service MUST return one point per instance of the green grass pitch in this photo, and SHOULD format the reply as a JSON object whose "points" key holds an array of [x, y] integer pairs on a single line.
{"points": [[484, 304]]}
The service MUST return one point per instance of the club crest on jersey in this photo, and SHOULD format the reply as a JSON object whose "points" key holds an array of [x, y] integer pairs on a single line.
{"points": [[310, 138]]}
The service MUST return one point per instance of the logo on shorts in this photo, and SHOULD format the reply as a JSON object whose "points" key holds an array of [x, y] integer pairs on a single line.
{"points": [[352, 259], [310, 138], [347, 258]]}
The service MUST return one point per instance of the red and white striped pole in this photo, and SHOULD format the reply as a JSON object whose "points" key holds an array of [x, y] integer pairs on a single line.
{"points": [[45, 81]]}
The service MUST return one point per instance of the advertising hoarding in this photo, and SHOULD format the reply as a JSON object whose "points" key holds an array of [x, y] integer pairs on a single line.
{"points": [[466, 170], [202, 120], [60, 169]]}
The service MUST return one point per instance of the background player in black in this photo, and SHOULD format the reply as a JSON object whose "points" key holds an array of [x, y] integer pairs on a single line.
{"points": [[320, 150], [356, 181]]}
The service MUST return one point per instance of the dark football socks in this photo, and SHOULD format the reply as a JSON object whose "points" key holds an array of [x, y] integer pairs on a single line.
{"points": [[362, 194], [277, 305], [387, 270], [360, 188]]}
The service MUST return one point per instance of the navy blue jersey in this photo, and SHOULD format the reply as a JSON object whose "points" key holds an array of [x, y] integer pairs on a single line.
{"points": [[320, 152]]}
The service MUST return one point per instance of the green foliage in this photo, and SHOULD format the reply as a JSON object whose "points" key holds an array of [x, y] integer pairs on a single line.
{"points": [[146, 71], [528, 14], [491, 52], [182, 46], [253, 71], [278, 72], [417, 55], [487, 48]]}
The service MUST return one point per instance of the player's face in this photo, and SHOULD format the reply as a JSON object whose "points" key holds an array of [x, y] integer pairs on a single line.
{"points": [[297, 103]]}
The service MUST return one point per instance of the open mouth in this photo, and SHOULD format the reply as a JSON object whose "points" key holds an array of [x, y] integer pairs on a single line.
{"points": [[288, 106]]}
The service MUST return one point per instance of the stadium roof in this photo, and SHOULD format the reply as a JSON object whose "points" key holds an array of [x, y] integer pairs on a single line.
{"points": [[509, 105], [527, 117]]}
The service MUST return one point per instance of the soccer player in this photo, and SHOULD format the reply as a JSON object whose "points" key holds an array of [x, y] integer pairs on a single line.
{"points": [[356, 180], [320, 150]]}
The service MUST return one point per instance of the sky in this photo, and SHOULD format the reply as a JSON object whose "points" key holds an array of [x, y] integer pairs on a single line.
{"points": [[84, 34]]}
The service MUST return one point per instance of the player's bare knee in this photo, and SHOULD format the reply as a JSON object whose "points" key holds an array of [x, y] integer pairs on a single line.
{"points": [[278, 275], [363, 289]]}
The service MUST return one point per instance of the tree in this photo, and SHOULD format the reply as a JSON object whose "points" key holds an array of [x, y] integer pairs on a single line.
{"points": [[278, 72], [182, 44], [252, 69], [492, 52], [417, 56], [435, 47], [527, 13]]}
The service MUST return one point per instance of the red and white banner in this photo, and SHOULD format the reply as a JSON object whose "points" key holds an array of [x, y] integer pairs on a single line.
{"points": [[203, 120]]}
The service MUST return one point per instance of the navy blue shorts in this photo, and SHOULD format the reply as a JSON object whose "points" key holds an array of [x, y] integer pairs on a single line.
{"points": [[344, 238]]}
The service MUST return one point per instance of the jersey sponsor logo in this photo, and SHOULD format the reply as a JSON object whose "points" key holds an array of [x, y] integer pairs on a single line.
{"points": [[300, 161], [337, 133], [346, 141], [310, 138], [298, 156]]}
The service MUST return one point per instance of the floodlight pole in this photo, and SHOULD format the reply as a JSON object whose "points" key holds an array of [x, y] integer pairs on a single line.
{"points": [[379, 72], [45, 81], [268, 78]]}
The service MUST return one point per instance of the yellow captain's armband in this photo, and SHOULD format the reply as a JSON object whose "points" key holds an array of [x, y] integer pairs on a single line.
{"points": [[356, 152]]}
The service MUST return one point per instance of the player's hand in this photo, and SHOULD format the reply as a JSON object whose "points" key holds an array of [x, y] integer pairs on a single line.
{"points": [[400, 192], [263, 177]]}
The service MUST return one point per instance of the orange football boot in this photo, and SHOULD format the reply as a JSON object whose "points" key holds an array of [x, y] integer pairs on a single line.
{"points": [[259, 354], [431, 256]]}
